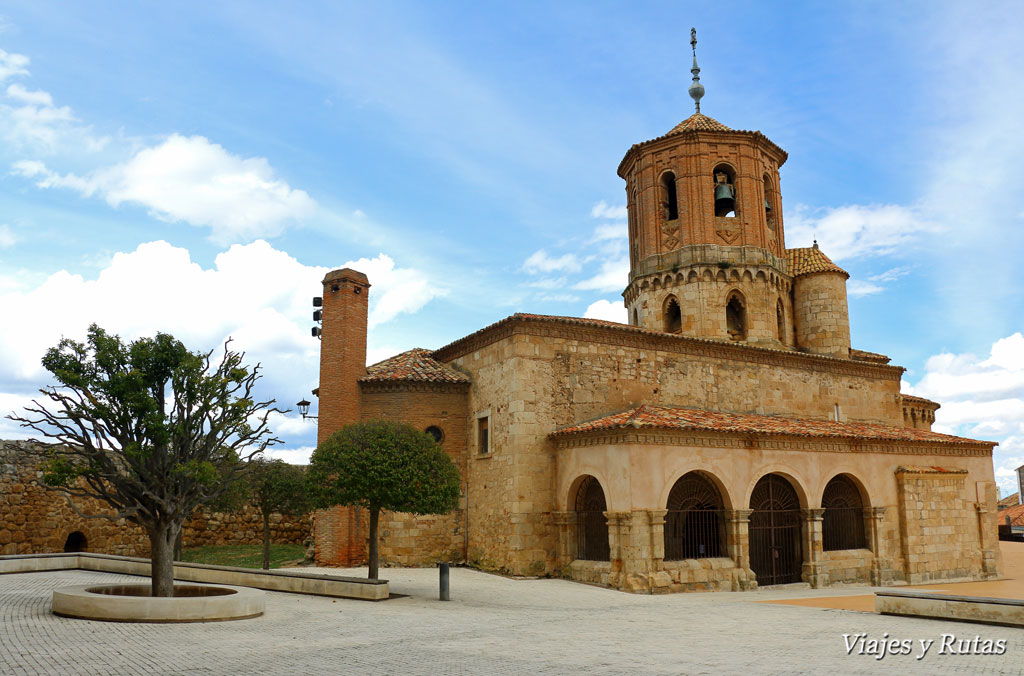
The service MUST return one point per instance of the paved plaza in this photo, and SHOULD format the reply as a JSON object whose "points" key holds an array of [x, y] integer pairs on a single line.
{"points": [[493, 625]]}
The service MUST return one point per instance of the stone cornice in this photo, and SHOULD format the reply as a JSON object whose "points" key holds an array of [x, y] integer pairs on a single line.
{"points": [[622, 335], [769, 442], [411, 386]]}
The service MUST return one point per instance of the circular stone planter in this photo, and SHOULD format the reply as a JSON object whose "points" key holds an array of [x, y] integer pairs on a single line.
{"points": [[132, 603]]}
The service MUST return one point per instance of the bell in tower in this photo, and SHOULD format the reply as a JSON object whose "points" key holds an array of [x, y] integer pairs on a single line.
{"points": [[725, 195]]}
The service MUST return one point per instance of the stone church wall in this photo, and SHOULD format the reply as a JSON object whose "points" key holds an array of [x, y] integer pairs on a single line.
{"points": [[34, 519]]}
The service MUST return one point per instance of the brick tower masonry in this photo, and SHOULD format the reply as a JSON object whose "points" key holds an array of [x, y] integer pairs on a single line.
{"points": [[339, 536]]}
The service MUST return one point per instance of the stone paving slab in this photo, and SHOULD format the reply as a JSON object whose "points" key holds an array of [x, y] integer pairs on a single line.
{"points": [[493, 625]]}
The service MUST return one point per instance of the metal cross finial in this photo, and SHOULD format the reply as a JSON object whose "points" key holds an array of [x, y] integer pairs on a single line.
{"points": [[696, 89]]}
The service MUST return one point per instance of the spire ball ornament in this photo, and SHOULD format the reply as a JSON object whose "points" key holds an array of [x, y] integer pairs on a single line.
{"points": [[696, 89]]}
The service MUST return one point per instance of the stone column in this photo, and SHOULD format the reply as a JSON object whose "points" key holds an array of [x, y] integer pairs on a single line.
{"points": [[738, 544], [988, 538], [565, 522], [618, 534], [814, 571], [881, 566]]}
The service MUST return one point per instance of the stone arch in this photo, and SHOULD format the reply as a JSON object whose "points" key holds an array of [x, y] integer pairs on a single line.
{"points": [[842, 527], [692, 277], [694, 519], [736, 315], [672, 316], [590, 503], [708, 275], [785, 471], [761, 276], [656, 283], [636, 317], [775, 530], [780, 320], [76, 542], [721, 276]]}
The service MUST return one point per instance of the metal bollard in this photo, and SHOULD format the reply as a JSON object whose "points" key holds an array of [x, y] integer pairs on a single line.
{"points": [[443, 567]]}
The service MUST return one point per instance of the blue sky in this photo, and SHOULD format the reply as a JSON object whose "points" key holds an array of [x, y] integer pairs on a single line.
{"points": [[195, 168]]}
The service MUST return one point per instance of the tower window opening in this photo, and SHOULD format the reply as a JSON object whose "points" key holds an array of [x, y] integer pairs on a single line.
{"points": [[769, 202], [668, 196], [780, 319], [636, 317], [736, 318], [725, 191], [673, 316]]}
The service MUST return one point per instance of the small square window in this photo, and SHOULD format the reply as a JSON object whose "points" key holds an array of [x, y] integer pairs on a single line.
{"points": [[482, 436]]}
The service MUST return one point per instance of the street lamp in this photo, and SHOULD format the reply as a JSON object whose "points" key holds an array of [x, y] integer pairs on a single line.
{"points": [[304, 409]]}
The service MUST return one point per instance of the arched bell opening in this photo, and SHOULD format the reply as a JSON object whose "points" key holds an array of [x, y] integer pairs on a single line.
{"points": [[780, 321], [776, 554], [695, 520], [725, 191], [769, 202], [673, 316], [591, 524], [669, 199], [842, 524], [75, 542], [736, 316]]}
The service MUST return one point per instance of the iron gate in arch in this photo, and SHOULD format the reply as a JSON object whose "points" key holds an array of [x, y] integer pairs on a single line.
{"points": [[591, 525], [775, 553]]}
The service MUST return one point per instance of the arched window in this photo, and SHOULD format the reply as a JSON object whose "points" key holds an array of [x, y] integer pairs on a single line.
{"points": [[780, 320], [673, 316], [668, 196], [435, 432], [725, 191], [76, 542], [694, 523], [842, 526], [736, 317], [769, 202], [591, 524], [636, 317]]}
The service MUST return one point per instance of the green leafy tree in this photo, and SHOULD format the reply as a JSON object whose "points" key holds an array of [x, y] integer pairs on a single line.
{"points": [[276, 486], [149, 428], [379, 465]]}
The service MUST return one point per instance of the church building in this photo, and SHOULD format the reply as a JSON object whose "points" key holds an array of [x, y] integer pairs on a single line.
{"points": [[728, 436]]}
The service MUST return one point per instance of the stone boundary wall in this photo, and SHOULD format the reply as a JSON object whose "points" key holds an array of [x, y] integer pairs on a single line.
{"points": [[36, 520]]}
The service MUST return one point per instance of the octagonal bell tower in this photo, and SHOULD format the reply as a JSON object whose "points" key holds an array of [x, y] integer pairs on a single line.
{"points": [[706, 241]]}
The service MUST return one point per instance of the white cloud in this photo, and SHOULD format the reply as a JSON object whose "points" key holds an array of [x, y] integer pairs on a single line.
{"points": [[612, 277], [857, 230], [604, 210], [610, 231], [12, 64], [891, 275], [36, 98], [293, 456], [193, 180], [981, 398], [858, 288], [256, 294], [607, 310], [540, 262], [7, 238]]}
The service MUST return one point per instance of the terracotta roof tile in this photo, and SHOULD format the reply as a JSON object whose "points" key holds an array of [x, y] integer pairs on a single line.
{"points": [[809, 260], [864, 355], [663, 417], [698, 122], [1009, 501], [1016, 515], [416, 364]]}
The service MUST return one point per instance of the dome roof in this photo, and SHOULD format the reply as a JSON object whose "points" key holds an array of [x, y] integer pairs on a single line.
{"points": [[809, 260], [698, 122]]}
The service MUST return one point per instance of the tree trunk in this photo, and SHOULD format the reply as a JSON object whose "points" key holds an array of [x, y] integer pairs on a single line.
{"points": [[161, 556], [177, 545], [266, 541], [374, 516]]}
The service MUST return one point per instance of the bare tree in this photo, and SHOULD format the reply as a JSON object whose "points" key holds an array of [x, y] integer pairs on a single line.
{"points": [[149, 428]]}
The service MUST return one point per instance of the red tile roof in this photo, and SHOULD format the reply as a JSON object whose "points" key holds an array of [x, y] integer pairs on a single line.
{"points": [[1016, 515], [1009, 501], [414, 365], [663, 417], [698, 122], [810, 260], [864, 355]]}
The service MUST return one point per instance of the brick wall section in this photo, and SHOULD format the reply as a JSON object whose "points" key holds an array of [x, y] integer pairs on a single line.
{"points": [[34, 519], [821, 313]]}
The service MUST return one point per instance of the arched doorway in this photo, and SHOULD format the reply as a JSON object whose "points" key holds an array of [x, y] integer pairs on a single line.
{"points": [[591, 524], [842, 524], [76, 542], [694, 520], [775, 553]]}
